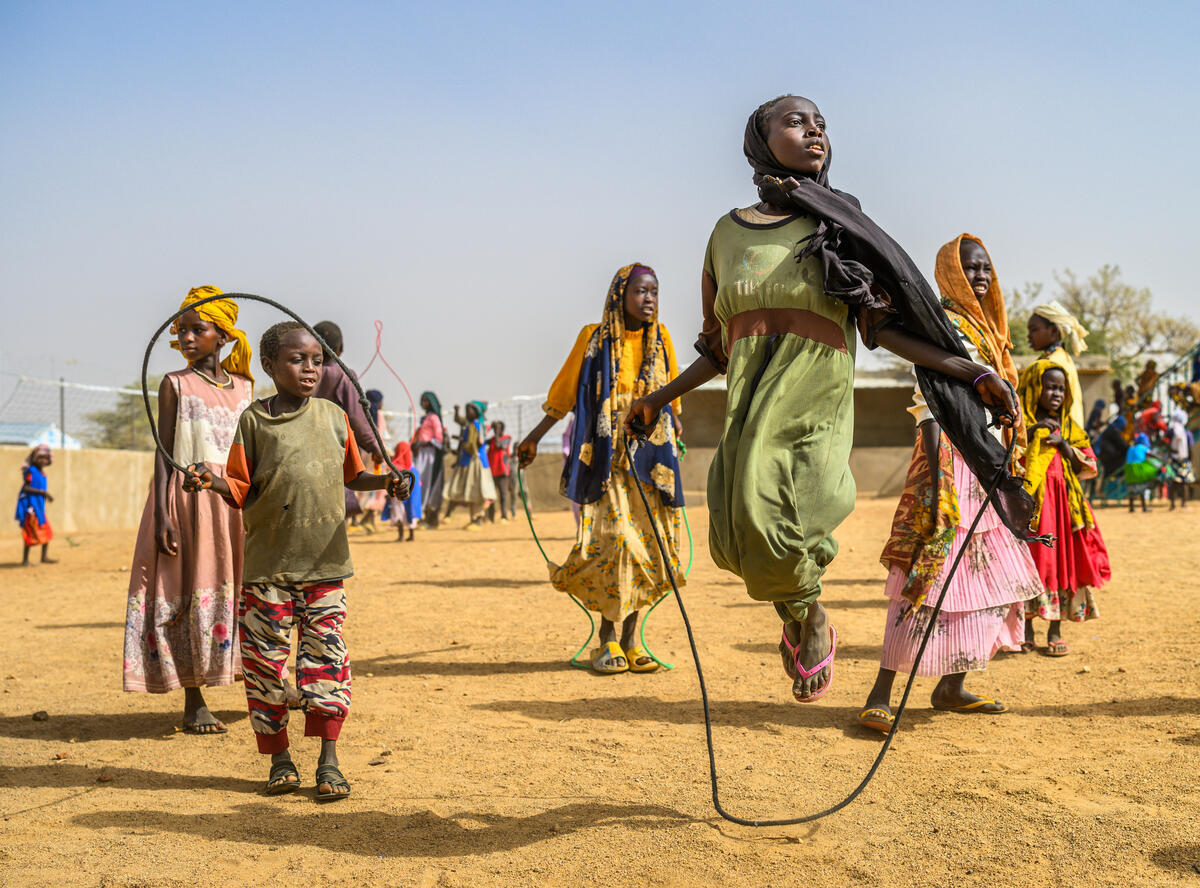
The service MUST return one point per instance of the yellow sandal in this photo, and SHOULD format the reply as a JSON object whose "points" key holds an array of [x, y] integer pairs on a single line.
{"points": [[604, 659], [637, 652]]}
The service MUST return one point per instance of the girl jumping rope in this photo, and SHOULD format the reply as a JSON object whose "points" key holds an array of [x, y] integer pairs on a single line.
{"points": [[615, 567], [785, 283], [181, 620]]}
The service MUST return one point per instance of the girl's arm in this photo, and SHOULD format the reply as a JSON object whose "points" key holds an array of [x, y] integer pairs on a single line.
{"points": [[166, 534], [400, 487], [34, 491], [527, 449], [931, 435], [1067, 452], [992, 390], [560, 400]]}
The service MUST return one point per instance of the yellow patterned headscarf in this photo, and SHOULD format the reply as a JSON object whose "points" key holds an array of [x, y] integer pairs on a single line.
{"points": [[224, 314], [1039, 455]]}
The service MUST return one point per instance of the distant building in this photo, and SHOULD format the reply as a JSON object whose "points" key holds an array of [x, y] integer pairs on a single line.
{"points": [[31, 434]]}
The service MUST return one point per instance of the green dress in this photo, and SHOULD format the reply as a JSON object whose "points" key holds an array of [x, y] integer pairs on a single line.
{"points": [[780, 482]]}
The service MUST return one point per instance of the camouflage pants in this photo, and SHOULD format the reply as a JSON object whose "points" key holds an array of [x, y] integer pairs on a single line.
{"points": [[268, 613]]}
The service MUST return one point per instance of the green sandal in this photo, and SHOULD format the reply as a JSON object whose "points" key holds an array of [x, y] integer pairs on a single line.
{"points": [[334, 779], [279, 770]]}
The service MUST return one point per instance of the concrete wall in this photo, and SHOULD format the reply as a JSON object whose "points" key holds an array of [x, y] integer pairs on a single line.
{"points": [[92, 489]]}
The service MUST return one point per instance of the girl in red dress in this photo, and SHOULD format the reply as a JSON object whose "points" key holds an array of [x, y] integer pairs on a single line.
{"points": [[1057, 458]]}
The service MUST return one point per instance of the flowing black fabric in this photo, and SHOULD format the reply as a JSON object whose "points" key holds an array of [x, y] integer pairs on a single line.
{"points": [[859, 258]]}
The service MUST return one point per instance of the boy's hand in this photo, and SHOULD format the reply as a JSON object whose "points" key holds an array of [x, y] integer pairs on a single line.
{"points": [[400, 487], [48, 497], [197, 477]]}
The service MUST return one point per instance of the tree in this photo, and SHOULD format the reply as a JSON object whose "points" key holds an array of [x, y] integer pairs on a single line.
{"points": [[124, 426], [1119, 317]]}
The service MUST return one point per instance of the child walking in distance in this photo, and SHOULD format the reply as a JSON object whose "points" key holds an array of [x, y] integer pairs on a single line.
{"points": [[471, 481], [984, 606], [181, 617], [406, 513], [428, 445], [31, 504], [290, 458], [615, 567], [786, 282], [499, 452], [1058, 457]]}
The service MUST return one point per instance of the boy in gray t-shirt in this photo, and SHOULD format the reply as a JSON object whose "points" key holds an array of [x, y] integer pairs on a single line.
{"points": [[290, 458]]}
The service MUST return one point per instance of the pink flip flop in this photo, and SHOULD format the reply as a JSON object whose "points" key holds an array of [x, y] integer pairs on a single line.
{"points": [[809, 673]]}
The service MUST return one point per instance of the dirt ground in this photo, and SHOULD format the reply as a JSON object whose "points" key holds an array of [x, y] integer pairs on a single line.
{"points": [[503, 766]]}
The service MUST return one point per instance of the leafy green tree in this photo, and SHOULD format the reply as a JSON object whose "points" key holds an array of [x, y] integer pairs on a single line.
{"points": [[124, 426], [1119, 317]]}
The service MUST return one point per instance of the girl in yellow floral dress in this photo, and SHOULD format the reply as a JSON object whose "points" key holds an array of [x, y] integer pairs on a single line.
{"points": [[615, 567]]}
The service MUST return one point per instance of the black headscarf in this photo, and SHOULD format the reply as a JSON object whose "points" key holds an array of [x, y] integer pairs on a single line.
{"points": [[857, 255]]}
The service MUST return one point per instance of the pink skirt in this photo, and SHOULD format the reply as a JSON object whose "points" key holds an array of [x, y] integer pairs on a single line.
{"points": [[983, 611], [181, 616]]}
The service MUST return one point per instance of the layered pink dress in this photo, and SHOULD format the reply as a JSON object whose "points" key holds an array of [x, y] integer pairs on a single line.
{"points": [[181, 620], [984, 607]]}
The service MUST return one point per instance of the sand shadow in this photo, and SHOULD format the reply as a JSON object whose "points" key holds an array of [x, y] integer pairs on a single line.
{"points": [[423, 834], [67, 774], [1161, 705], [397, 666], [847, 651], [83, 727], [108, 625], [474, 583], [1178, 859], [749, 714]]}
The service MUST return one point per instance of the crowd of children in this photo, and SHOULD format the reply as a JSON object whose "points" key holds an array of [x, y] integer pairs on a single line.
{"points": [[251, 542]]}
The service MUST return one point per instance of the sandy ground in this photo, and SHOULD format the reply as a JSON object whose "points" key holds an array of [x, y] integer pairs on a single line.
{"points": [[504, 766]]}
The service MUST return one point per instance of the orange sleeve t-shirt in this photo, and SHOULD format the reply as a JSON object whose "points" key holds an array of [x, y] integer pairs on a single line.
{"points": [[287, 474]]}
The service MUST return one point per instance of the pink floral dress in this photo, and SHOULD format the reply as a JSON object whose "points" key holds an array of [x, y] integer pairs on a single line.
{"points": [[181, 621]]}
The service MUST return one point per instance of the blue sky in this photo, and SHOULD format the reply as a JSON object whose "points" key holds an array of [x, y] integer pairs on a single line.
{"points": [[472, 174]]}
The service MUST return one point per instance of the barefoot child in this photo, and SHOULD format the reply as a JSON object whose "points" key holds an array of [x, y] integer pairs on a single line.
{"points": [[31, 504], [471, 481], [286, 469], [615, 567], [785, 284], [984, 606], [1059, 455], [181, 618]]}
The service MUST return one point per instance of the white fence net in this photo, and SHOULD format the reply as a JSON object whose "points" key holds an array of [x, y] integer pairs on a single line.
{"points": [[86, 415]]}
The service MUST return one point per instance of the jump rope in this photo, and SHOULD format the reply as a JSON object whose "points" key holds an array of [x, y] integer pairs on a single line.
{"points": [[641, 433], [362, 398]]}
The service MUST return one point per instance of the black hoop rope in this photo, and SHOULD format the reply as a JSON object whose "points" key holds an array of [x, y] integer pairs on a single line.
{"points": [[362, 398], [687, 624]]}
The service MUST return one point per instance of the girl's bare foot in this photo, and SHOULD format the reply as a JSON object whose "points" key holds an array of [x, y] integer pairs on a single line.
{"points": [[196, 717]]}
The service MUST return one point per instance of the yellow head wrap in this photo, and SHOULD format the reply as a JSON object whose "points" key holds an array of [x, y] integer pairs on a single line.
{"points": [[1039, 455], [224, 314], [1073, 332]]}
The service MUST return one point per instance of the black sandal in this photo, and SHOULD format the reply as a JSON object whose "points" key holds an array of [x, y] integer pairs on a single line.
{"points": [[279, 770], [334, 779]]}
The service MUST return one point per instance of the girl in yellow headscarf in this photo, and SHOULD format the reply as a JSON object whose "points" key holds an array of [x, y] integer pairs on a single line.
{"points": [[1058, 456], [181, 621]]}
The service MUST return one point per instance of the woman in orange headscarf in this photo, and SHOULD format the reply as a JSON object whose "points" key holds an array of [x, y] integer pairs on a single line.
{"points": [[181, 620], [983, 608]]}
